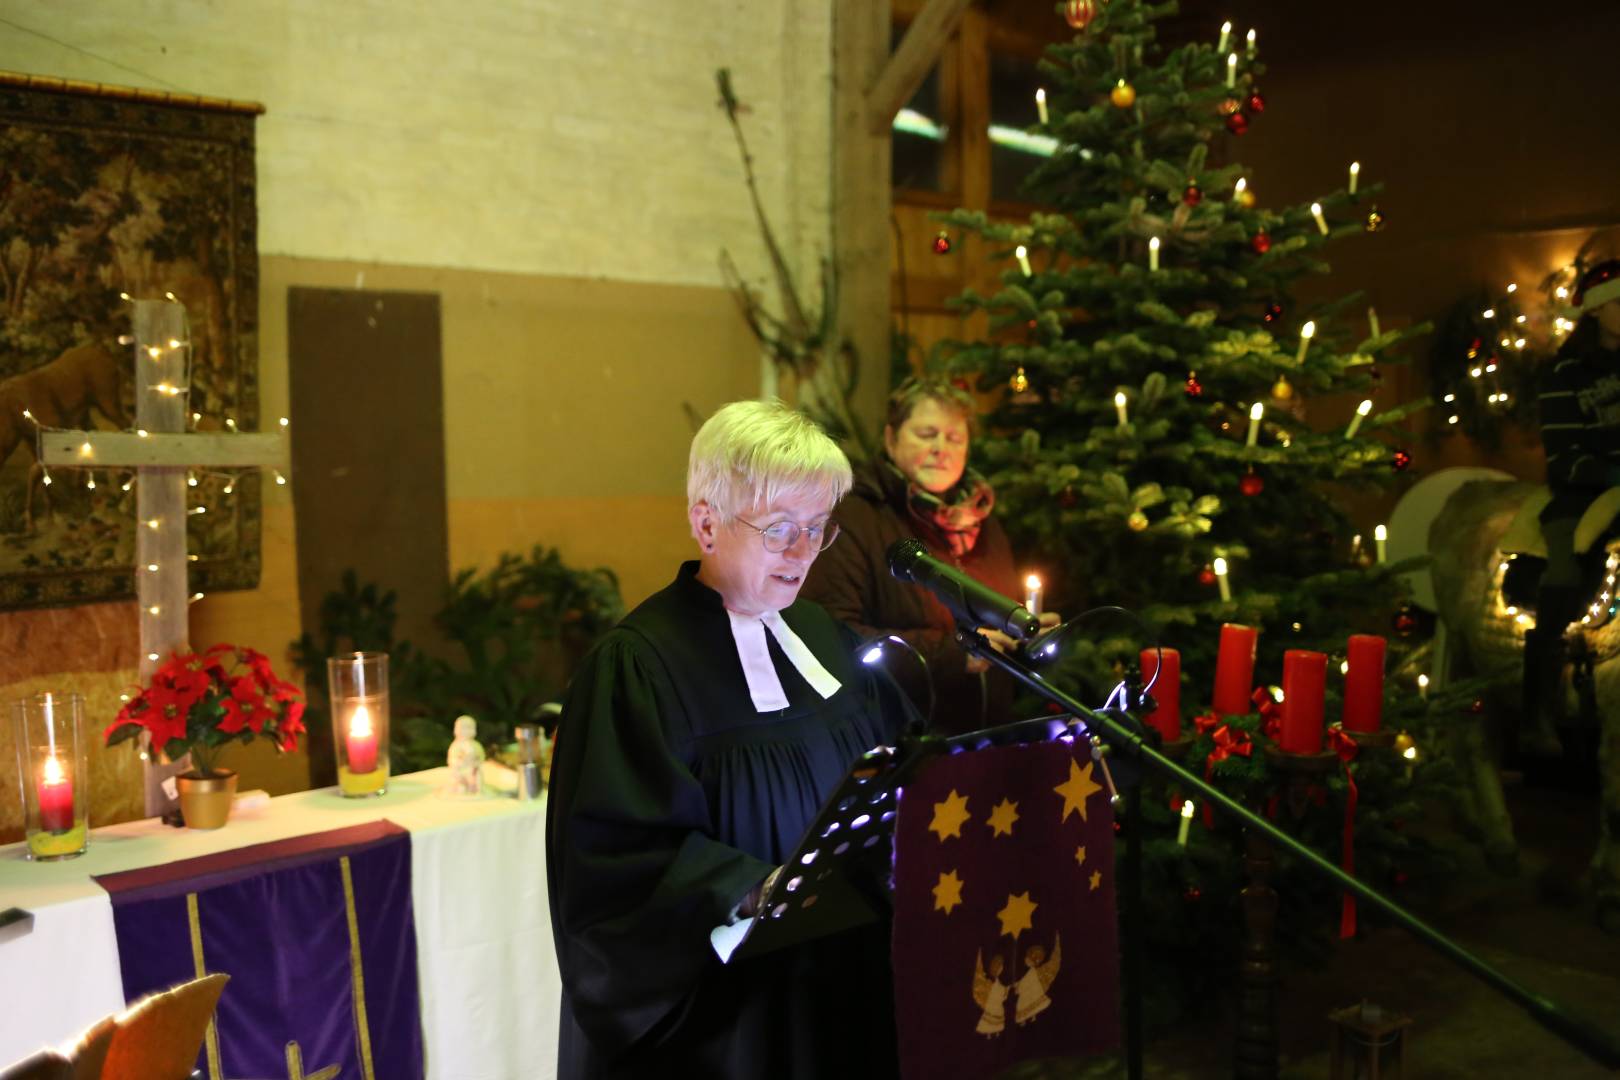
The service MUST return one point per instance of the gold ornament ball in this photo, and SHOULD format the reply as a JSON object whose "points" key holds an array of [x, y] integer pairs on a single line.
{"points": [[1282, 391], [1137, 521], [1375, 220], [1019, 382], [1404, 742], [1123, 95], [1244, 198]]}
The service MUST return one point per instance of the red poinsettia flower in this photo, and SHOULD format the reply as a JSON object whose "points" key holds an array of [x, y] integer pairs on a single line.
{"points": [[198, 702]]}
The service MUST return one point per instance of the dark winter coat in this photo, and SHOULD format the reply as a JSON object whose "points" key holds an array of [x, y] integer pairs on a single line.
{"points": [[851, 579]]}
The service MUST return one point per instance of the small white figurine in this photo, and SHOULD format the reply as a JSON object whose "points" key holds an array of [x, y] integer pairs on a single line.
{"points": [[466, 759]]}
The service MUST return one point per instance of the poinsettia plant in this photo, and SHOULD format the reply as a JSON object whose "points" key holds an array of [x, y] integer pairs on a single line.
{"points": [[198, 703]]}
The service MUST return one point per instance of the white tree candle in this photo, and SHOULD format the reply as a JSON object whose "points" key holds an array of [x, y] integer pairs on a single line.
{"points": [[1250, 46], [1231, 70], [1226, 36], [1306, 332], [1256, 411], [1220, 579], [1040, 108], [1186, 821], [1153, 254], [1355, 174], [1380, 536], [1022, 254], [1355, 421], [1119, 408], [1321, 222], [1372, 321]]}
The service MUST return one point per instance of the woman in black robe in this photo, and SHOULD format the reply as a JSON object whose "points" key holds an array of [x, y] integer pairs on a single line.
{"points": [[696, 744]]}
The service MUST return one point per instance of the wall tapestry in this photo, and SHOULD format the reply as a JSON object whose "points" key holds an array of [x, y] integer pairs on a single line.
{"points": [[108, 192]]}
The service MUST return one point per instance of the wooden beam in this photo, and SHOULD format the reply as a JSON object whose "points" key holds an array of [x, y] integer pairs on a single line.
{"points": [[906, 69], [127, 449], [862, 195]]}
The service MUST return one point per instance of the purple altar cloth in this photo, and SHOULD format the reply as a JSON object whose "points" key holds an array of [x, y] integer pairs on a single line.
{"points": [[317, 935]]}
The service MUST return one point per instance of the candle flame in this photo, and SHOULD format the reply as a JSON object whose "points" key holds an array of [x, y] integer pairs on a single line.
{"points": [[1187, 809], [1365, 407], [1410, 753], [1220, 567], [53, 771], [1033, 581], [1380, 533], [1308, 331], [1256, 411], [360, 722]]}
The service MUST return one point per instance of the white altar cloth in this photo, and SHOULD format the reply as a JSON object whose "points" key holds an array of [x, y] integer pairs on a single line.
{"points": [[487, 968]]}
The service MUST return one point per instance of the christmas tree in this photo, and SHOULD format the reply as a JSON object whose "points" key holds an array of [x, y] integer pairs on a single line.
{"points": [[1151, 442]]}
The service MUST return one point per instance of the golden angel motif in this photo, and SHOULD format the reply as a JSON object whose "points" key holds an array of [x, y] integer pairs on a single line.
{"points": [[1037, 979], [990, 994]]}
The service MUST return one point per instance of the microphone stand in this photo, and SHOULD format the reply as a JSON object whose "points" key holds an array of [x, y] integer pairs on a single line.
{"points": [[1129, 743]]}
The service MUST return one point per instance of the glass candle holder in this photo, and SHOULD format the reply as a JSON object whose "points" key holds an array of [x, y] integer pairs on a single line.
{"points": [[358, 685], [54, 775]]}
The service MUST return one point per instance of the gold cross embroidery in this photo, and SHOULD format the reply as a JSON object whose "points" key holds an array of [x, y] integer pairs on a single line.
{"points": [[295, 1066]]}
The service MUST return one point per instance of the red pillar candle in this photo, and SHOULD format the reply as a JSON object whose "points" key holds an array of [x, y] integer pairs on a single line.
{"points": [[1304, 684], [1167, 691], [1234, 670], [55, 790], [1364, 683], [361, 741]]}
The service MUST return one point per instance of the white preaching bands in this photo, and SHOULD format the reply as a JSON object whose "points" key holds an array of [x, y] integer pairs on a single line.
{"points": [[763, 685]]}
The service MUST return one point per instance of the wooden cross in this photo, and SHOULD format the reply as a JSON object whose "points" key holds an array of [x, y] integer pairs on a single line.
{"points": [[161, 451]]}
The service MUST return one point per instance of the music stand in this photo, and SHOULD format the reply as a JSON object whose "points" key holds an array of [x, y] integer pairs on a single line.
{"points": [[838, 875]]}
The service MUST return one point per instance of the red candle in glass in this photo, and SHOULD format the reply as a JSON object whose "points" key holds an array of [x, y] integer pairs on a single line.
{"points": [[361, 741], [1167, 691], [1304, 684], [1364, 683], [1234, 670], [55, 792]]}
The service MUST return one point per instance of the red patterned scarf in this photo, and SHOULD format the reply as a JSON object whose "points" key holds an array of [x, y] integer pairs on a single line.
{"points": [[956, 513]]}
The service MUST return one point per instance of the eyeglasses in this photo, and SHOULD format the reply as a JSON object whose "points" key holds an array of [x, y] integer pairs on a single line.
{"points": [[785, 534]]}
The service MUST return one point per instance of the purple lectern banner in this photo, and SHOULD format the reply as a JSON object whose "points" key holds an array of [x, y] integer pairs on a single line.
{"points": [[1004, 931], [317, 935]]}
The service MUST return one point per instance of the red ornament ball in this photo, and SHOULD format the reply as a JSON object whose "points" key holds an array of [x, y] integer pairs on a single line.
{"points": [[1273, 312], [1079, 13], [1194, 388], [1400, 461], [1256, 103], [1206, 577], [1261, 242], [1477, 707], [1230, 106], [1237, 123], [1251, 484], [942, 243], [1192, 196], [1405, 621], [1192, 894]]}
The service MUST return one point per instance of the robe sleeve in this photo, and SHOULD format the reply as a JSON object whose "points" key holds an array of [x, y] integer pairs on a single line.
{"points": [[638, 881]]}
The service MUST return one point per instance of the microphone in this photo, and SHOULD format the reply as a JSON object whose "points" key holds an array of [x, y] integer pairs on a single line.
{"points": [[967, 599]]}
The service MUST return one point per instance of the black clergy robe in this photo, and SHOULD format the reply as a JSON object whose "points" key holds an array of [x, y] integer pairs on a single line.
{"points": [[671, 797]]}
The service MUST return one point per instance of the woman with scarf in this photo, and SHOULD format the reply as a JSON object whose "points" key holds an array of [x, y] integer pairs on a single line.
{"points": [[921, 487]]}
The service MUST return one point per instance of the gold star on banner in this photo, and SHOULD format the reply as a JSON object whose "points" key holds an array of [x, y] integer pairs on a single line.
{"points": [[948, 893], [1096, 879], [1080, 855], [1077, 789], [1015, 917], [949, 816], [1002, 818]]}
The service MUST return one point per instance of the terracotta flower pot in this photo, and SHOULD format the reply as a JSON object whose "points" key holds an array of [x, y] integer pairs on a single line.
{"points": [[205, 801]]}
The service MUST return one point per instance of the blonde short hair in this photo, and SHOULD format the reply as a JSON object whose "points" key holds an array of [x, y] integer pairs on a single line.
{"points": [[751, 453]]}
